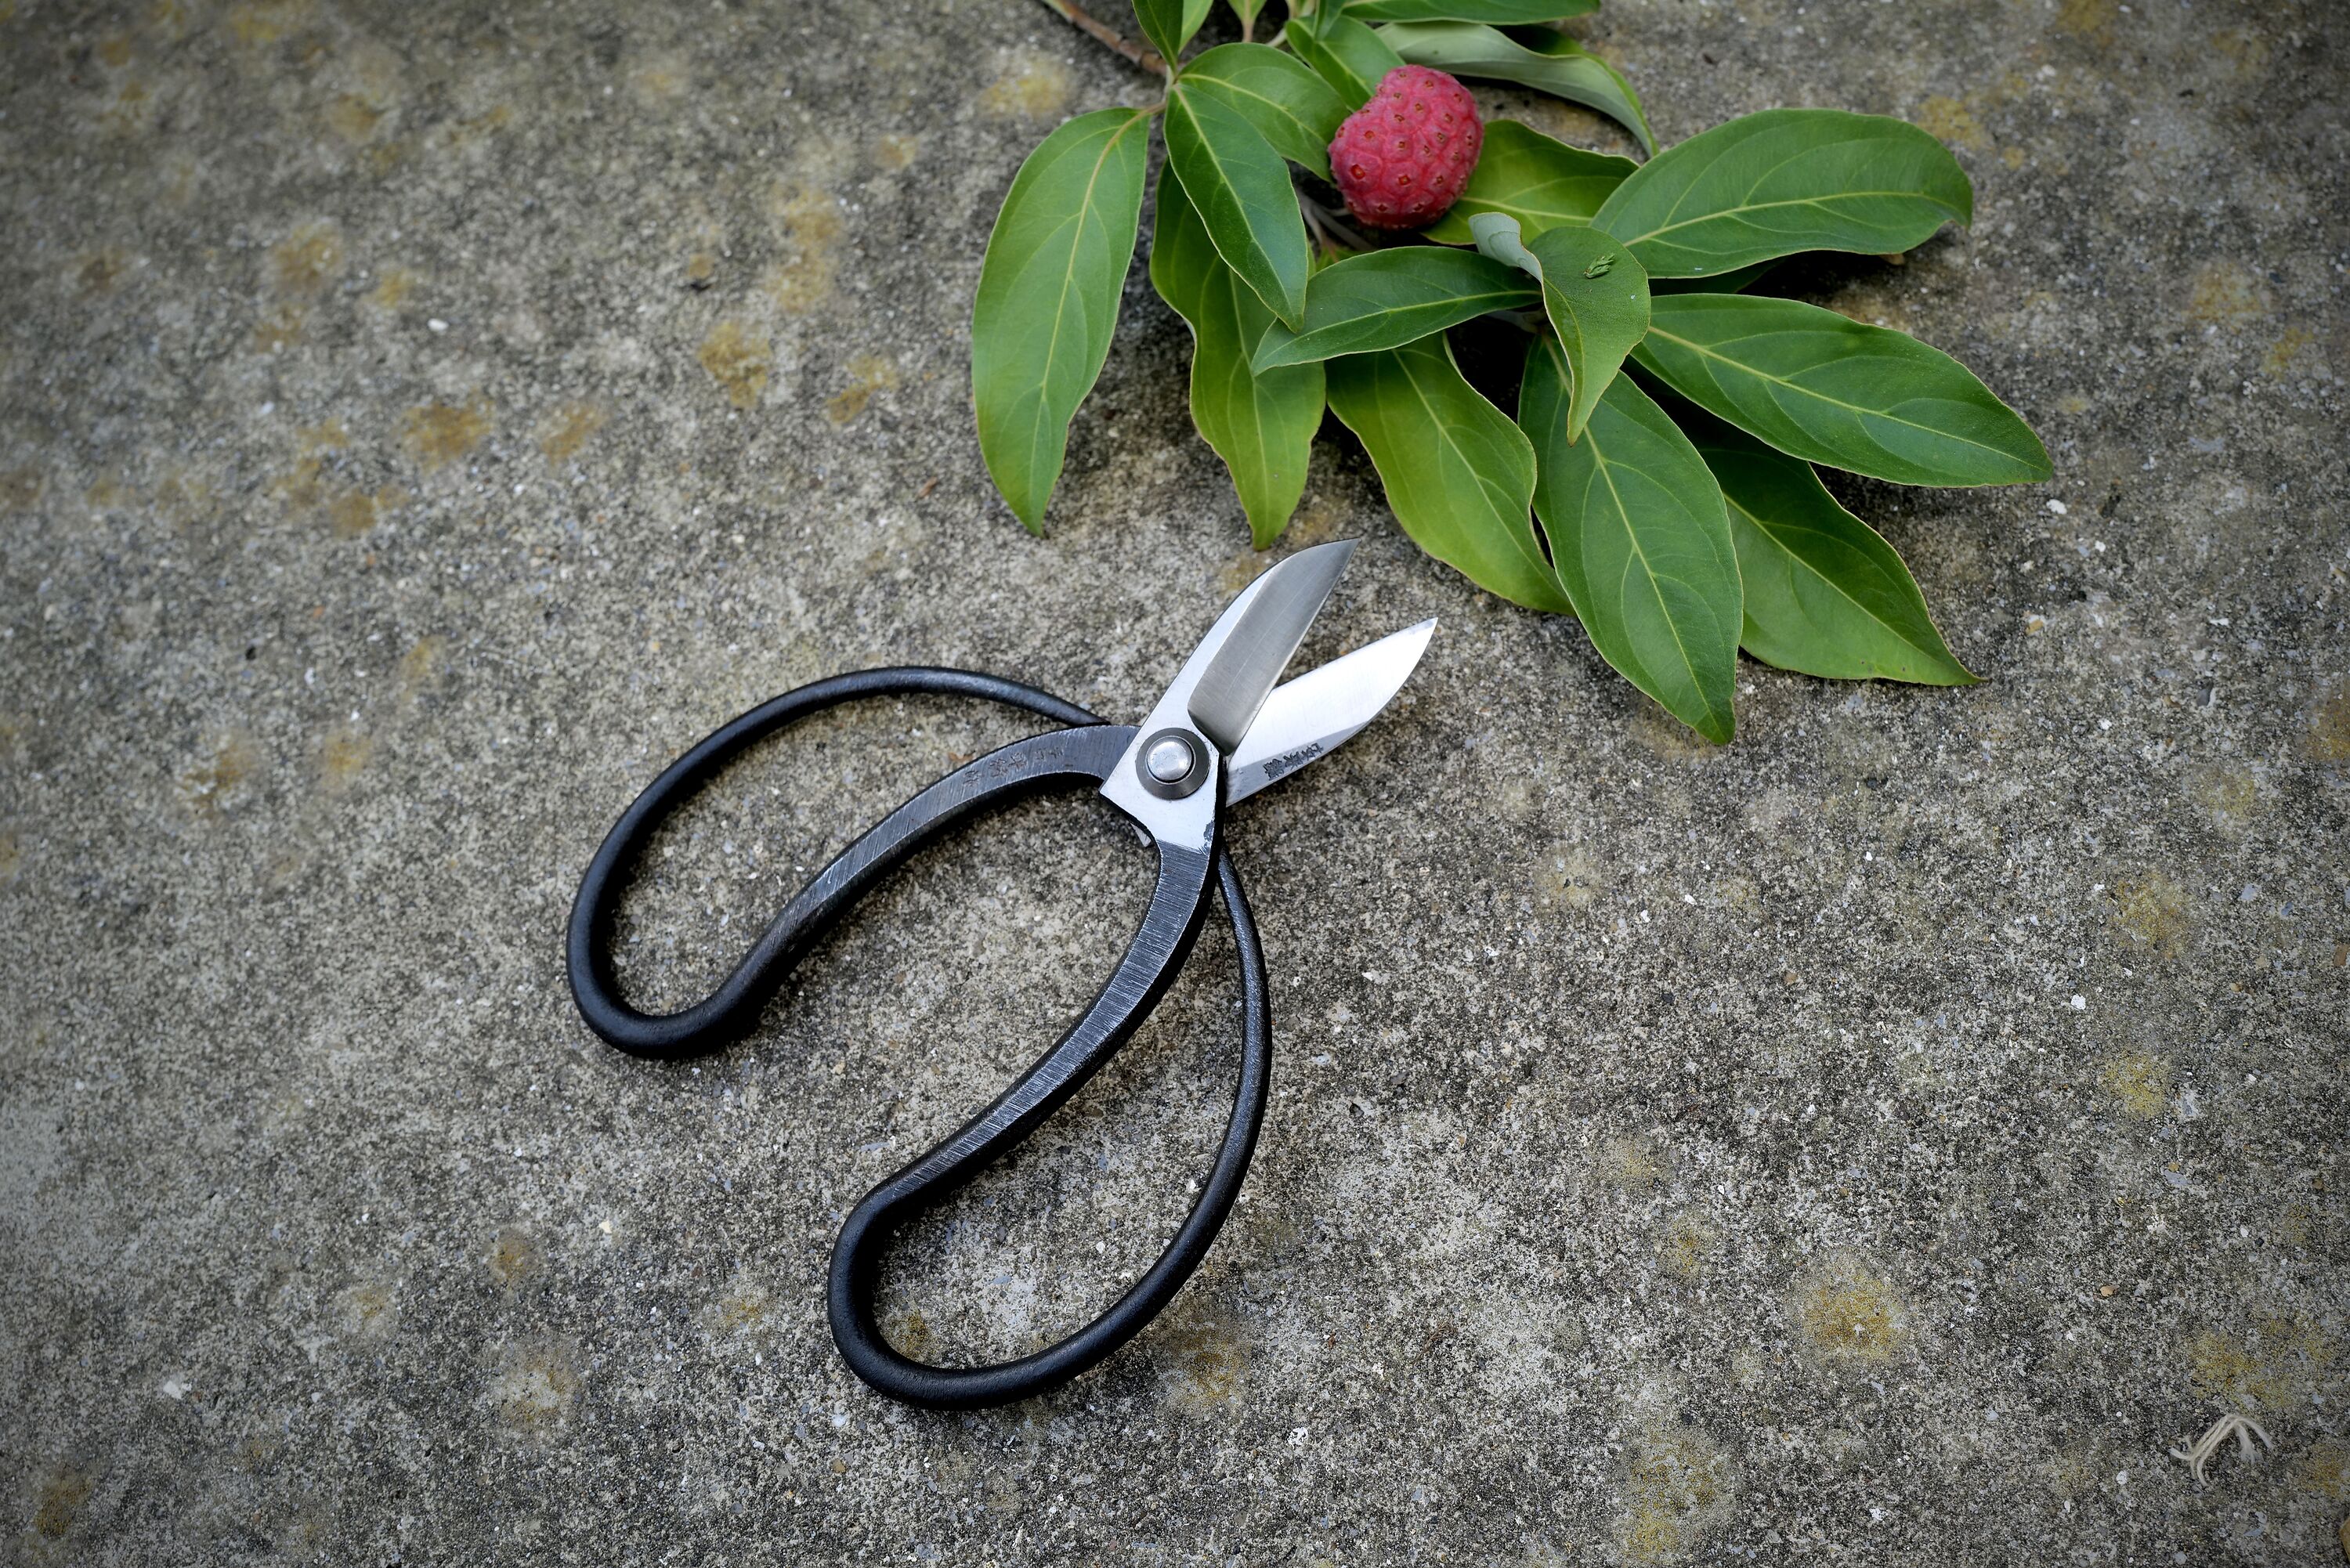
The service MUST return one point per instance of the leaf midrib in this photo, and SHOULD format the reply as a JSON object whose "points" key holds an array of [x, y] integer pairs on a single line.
{"points": [[1606, 466], [1223, 174], [1391, 312], [1744, 207], [1773, 532], [1036, 394], [1700, 350], [1229, 84], [1444, 429]]}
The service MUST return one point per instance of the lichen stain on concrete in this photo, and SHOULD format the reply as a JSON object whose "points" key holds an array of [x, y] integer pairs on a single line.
{"points": [[354, 513], [304, 261], [912, 1333], [2287, 348], [393, 287], [2229, 796], [1848, 1312], [661, 80], [744, 1306], [437, 435], [130, 110], [869, 374], [2245, 52], [12, 857], [419, 666], [1625, 1164], [2139, 1085], [2092, 21], [1203, 1362], [1689, 1245], [534, 1387], [217, 782], [256, 23], [60, 1501], [354, 118], [312, 442], [2329, 728], [2273, 1367], [811, 221], [738, 360], [1677, 1493], [280, 328], [342, 756], [368, 1311], [1949, 119], [515, 1257], [460, 134], [567, 429], [897, 150], [1032, 86], [2325, 1470], [2150, 911], [20, 488], [2228, 294], [98, 272]]}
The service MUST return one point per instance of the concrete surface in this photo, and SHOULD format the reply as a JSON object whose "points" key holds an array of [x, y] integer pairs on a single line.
{"points": [[1879, 1141]]}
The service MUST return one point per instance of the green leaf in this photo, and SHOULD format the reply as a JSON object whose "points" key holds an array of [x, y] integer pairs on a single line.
{"points": [[1290, 107], [1049, 294], [1737, 282], [1502, 13], [1540, 182], [1459, 475], [1247, 10], [1262, 425], [1342, 52], [1550, 61], [1242, 191], [1638, 528], [1828, 390], [1170, 24], [1825, 595], [1383, 299], [1594, 294], [1787, 180]]}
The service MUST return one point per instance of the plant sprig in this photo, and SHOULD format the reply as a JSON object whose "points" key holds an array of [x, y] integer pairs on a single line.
{"points": [[1658, 479]]}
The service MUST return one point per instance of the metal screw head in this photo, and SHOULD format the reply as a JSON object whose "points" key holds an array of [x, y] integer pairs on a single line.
{"points": [[1168, 759], [1172, 764]]}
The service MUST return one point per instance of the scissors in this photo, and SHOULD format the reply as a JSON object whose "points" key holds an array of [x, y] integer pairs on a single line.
{"points": [[1223, 731]]}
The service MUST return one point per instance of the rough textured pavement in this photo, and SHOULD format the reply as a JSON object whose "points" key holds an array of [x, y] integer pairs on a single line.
{"points": [[1880, 1140]]}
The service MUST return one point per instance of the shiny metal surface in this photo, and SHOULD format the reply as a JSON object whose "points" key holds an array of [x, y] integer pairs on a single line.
{"points": [[1314, 715], [1223, 701], [1250, 656]]}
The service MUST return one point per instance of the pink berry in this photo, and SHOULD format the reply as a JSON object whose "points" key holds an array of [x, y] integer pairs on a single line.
{"points": [[1401, 160]]}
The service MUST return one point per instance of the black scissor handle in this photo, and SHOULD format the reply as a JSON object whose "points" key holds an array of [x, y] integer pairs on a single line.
{"points": [[732, 1011], [1179, 902]]}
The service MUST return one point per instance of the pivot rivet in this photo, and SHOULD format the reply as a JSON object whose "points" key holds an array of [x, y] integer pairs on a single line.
{"points": [[1172, 764]]}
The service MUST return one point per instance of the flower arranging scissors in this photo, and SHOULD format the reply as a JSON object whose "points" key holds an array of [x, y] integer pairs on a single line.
{"points": [[1221, 733]]}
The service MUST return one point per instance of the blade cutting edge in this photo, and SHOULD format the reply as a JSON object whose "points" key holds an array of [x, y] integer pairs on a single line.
{"points": [[1239, 676], [1314, 715]]}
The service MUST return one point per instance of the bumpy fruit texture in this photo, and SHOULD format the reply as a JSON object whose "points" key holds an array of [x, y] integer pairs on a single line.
{"points": [[1401, 159]]}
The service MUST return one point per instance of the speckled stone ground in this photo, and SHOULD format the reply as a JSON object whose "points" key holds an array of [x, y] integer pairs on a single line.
{"points": [[1878, 1140]]}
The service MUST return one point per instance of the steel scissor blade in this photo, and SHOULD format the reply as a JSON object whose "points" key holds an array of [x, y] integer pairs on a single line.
{"points": [[1249, 657], [1323, 709]]}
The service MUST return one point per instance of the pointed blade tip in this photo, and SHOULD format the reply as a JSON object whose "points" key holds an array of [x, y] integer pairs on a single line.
{"points": [[1242, 672]]}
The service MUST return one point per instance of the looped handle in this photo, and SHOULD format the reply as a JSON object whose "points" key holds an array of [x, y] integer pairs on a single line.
{"points": [[1087, 751], [732, 1010], [1105, 1025]]}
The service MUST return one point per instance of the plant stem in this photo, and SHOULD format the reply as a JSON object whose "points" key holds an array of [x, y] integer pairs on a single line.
{"points": [[1332, 226], [1107, 37]]}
